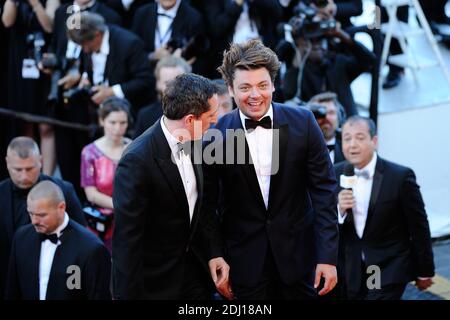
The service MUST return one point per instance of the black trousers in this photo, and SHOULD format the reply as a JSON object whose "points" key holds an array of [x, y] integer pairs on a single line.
{"points": [[271, 287], [197, 283], [387, 292]]}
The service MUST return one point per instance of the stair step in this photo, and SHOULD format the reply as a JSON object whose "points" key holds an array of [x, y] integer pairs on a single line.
{"points": [[402, 29], [414, 62]]}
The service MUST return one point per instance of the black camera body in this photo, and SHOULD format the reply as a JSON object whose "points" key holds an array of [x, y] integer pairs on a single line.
{"points": [[79, 94], [319, 111], [35, 42], [304, 25]]}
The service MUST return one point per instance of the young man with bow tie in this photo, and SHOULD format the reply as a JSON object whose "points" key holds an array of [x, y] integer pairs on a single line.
{"points": [[55, 258], [278, 218], [383, 220]]}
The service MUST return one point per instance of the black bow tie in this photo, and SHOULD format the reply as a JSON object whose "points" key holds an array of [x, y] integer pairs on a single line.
{"points": [[265, 122], [330, 147], [162, 14], [52, 237]]}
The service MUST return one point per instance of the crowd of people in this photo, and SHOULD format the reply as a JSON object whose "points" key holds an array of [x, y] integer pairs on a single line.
{"points": [[136, 211]]}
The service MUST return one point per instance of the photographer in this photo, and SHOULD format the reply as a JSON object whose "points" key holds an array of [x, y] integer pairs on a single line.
{"points": [[169, 26], [63, 63], [324, 58], [329, 114], [29, 23]]}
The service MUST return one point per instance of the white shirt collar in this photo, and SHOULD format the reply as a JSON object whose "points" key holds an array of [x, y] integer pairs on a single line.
{"points": [[332, 141], [370, 167], [173, 142], [172, 11], [104, 49], [63, 225], [268, 113]]}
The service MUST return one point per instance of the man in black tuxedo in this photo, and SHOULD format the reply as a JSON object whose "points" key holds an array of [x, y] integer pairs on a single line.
{"points": [[160, 247], [167, 25], [279, 220], [166, 70], [68, 55], [55, 258], [330, 124], [114, 60], [383, 220], [24, 164]]}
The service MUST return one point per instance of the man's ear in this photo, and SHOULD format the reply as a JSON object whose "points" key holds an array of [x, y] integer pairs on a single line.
{"points": [[230, 91]]}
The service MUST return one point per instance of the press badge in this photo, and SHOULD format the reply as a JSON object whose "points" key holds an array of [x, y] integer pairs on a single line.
{"points": [[30, 69]]}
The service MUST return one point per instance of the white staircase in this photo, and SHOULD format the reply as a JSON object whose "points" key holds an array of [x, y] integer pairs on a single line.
{"points": [[404, 31]]}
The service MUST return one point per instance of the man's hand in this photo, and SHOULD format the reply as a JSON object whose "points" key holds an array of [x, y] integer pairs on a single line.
{"points": [[220, 271], [328, 272], [424, 284], [346, 201], [69, 80], [101, 93]]}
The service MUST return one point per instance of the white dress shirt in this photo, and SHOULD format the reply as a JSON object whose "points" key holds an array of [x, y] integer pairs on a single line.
{"points": [[48, 250], [245, 28], [260, 144], [362, 191], [163, 31], [185, 168], [99, 64], [332, 153]]}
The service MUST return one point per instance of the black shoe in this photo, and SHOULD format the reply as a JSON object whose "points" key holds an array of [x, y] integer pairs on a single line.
{"points": [[393, 79]]}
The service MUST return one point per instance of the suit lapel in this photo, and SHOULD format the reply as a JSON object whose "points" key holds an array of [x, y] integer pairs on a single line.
{"points": [[151, 27], [8, 210], [34, 255], [376, 186], [196, 155], [109, 66], [279, 145], [248, 168], [58, 269], [169, 168]]}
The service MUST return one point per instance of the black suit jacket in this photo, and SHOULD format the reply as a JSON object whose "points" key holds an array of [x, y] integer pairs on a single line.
{"points": [[153, 232], [59, 38], [300, 224], [79, 247], [338, 155], [6, 218], [127, 65], [187, 23], [396, 235]]}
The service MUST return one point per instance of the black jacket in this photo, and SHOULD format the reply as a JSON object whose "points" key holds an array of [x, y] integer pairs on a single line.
{"points": [[7, 230], [152, 232], [300, 224], [79, 247], [396, 235]]}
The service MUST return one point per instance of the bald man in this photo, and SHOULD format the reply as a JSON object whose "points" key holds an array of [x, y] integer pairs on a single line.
{"points": [[54, 257]]}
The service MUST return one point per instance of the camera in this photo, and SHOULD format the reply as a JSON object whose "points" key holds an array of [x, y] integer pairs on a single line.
{"points": [[189, 48], [304, 25], [319, 111], [78, 95], [36, 42]]}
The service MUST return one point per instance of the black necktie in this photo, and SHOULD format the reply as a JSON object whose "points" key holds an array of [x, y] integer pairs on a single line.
{"points": [[264, 123], [52, 237], [330, 147]]}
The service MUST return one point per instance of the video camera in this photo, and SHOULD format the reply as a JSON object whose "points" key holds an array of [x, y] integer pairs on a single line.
{"points": [[189, 48], [304, 25], [319, 111]]}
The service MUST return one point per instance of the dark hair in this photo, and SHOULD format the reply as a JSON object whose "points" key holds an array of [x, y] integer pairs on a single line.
{"points": [[114, 104], [221, 86], [187, 94], [84, 26], [370, 123], [249, 55], [24, 147]]}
